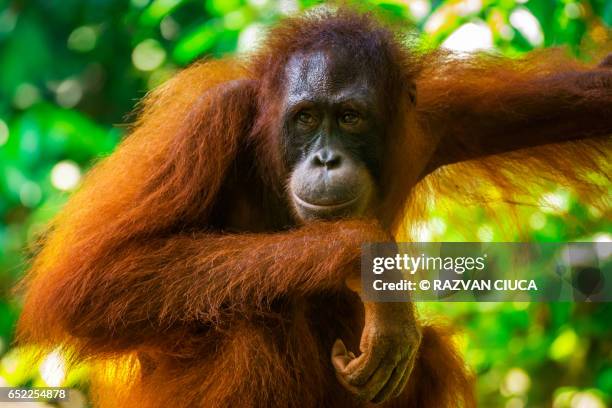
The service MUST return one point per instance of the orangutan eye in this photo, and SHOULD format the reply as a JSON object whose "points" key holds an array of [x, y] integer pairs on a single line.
{"points": [[305, 118], [349, 118]]}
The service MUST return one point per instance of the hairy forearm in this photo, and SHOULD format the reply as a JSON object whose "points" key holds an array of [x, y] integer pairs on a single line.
{"points": [[200, 277], [509, 116]]}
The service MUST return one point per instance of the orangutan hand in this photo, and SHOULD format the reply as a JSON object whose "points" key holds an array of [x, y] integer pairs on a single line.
{"points": [[389, 343]]}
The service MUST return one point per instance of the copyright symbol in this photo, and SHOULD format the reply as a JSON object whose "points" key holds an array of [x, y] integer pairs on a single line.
{"points": [[424, 285]]}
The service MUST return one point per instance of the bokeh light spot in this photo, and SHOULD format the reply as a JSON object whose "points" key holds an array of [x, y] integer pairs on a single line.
{"points": [[69, 93], [419, 9], [169, 28], [53, 369], [65, 175], [82, 39], [516, 382], [148, 55], [528, 25], [586, 400], [467, 7], [470, 37]]}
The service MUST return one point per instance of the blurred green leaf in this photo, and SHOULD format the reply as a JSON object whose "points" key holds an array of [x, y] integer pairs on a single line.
{"points": [[157, 10], [222, 7], [197, 41]]}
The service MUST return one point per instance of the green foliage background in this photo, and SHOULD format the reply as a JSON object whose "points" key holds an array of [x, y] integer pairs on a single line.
{"points": [[71, 70]]}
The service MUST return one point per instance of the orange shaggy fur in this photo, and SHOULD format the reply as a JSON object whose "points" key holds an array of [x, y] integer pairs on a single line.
{"points": [[178, 271]]}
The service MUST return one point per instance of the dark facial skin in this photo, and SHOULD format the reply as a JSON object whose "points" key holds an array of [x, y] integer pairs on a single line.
{"points": [[333, 140], [332, 137]]}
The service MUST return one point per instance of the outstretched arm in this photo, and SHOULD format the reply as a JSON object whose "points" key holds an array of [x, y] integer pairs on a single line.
{"points": [[502, 105]]}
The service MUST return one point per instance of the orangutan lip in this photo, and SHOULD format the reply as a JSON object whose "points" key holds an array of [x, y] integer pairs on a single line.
{"points": [[332, 207]]}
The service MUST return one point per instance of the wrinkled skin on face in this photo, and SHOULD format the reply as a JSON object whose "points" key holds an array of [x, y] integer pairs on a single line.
{"points": [[333, 137], [333, 142]]}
